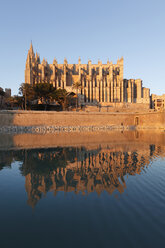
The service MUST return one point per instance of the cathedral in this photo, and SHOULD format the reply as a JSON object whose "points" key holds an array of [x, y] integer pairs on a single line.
{"points": [[100, 83]]}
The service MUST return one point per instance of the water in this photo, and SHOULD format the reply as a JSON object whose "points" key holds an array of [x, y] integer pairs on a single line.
{"points": [[93, 195]]}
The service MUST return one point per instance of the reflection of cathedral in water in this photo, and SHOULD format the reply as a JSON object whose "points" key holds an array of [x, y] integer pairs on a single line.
{"points": [[79, 169], [87, 171]]}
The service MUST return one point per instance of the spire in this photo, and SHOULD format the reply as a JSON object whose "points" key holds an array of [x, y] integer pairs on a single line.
{"points": [[28, 61], [54, 62], [44, 62], [120, 61], [31, 53], [65, 61], [99, 62], [31, 48], [89, 61], [37, 58]]}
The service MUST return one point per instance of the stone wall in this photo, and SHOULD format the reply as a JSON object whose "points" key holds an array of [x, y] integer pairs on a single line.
{"points": [[144, 120]]}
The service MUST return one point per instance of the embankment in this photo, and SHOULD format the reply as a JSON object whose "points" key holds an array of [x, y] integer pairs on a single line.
{"points": [[145, 120]]}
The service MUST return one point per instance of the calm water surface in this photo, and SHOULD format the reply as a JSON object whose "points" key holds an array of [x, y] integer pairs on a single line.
{"points": [[84, 196]]}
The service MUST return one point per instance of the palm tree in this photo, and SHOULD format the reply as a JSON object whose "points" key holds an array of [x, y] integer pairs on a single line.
{"points": [[77, 86]]}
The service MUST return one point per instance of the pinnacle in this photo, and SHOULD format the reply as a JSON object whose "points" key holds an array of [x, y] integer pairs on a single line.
{"points": [[31, 48]]}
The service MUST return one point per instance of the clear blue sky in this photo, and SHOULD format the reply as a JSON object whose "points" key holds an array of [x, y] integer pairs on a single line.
{"points": [[91, 29]]}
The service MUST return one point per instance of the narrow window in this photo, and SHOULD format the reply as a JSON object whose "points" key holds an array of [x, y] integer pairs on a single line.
{"points": [[137, 121]]}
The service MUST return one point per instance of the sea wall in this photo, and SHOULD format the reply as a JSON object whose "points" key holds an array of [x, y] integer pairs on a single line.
{"points": [[155, 120]]}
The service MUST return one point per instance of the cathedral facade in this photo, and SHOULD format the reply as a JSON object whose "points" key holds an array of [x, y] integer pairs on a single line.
{"points": [[100, 83]]}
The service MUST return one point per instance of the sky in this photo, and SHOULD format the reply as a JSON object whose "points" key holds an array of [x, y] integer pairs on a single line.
{"points": [[91, 29]]}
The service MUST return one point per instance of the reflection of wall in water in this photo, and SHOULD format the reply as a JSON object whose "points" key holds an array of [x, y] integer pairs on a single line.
{"points": [[79, 169], [95, 170]]}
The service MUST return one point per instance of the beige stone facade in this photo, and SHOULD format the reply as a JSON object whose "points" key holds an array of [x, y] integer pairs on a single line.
{"points": [[158, 102], [101, 83]]}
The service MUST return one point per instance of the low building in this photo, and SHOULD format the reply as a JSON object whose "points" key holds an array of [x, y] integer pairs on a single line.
{"points": [[158, 102]]}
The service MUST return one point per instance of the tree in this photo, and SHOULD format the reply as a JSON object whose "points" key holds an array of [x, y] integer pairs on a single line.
{"points": [[77, 86], [27, 91], [45, 92], [15, 101], [2, 93], [61, 96], [19, 101]]}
